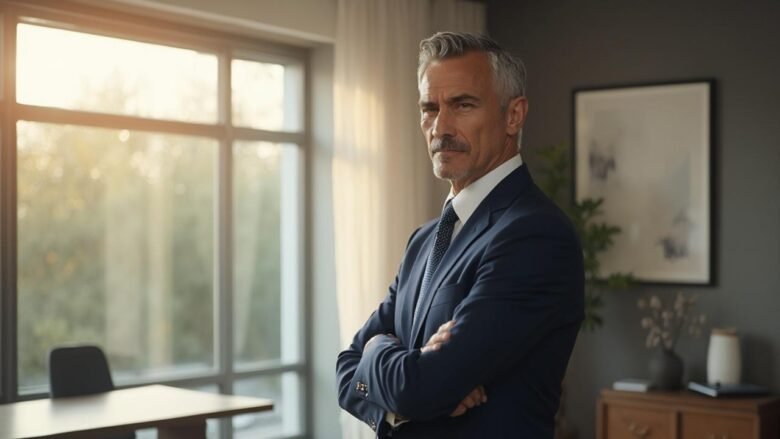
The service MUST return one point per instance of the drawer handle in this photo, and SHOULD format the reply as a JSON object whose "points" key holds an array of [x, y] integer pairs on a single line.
{"points": [[639, 431], [723, 436]]}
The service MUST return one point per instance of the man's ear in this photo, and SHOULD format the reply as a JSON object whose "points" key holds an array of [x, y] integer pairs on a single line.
{"points": [[516, 112]]}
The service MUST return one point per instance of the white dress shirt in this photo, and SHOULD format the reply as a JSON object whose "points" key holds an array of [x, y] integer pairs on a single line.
{"points": [[468, 199]]}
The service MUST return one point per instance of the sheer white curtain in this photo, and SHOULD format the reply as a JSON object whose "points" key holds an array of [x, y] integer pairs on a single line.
{"points": [[383, 187]]}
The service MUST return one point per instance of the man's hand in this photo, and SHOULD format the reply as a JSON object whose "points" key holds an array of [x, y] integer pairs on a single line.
{"points": [[442, 335], [473, 399], [478, 395]]}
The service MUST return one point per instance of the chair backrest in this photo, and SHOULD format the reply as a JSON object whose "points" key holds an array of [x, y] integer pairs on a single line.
{"points": [[81, 370], [78, 370]]}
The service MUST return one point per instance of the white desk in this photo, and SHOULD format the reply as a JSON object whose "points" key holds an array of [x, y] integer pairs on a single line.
{"points": [[176, 413]]}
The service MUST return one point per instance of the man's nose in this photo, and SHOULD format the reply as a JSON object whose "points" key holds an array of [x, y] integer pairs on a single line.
{"points": [[443, 124]]}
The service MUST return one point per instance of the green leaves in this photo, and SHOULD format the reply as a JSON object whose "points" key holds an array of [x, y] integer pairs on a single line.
{"points": [[593, 301], [596, 237]]}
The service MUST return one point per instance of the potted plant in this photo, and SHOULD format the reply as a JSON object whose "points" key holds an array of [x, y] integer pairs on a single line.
{"points": [[665, 325]]}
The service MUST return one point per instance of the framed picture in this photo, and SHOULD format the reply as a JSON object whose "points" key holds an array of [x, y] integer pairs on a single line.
{"points": [[647, 151]]}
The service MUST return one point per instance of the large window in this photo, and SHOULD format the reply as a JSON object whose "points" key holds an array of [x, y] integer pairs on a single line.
{"points": [[151, 193]]}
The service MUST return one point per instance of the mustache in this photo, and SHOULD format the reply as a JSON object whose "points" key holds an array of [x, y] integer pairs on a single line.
{"points": [[448, 144]]}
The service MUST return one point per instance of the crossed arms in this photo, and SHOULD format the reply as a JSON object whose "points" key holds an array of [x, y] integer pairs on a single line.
{"points": [[514, 301]]}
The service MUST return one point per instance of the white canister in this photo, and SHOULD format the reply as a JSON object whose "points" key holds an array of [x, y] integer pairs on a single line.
{"points": [[724, 360]]}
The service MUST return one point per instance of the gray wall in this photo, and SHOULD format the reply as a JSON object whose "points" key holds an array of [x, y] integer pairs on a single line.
{"points": [[568, 44]]}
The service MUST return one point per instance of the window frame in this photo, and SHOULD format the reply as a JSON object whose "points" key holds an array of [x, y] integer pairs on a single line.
{"points": [[226, 47]]}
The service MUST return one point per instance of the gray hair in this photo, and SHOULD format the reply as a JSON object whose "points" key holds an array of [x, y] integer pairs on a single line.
{"points": [[508, 71], [509, 74]]}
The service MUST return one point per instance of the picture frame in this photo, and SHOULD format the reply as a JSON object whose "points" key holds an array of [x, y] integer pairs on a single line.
{"points": [[647, 151]]}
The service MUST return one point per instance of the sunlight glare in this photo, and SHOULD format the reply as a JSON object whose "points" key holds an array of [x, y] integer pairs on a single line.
{"points": [[76, 70]]}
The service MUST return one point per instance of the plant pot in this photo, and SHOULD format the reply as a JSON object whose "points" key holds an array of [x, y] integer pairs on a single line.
{"points": [[666, 370]]}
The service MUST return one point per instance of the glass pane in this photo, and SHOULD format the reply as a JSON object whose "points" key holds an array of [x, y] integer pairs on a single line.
{"points": [[75, 70], [266, 233], [284, 420], [266, 96], [116, 248]]}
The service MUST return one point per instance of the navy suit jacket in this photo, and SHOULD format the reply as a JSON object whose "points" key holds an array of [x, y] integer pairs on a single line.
{"points": [[513, 280]]}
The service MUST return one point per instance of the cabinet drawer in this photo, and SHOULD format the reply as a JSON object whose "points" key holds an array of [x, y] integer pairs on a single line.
{"points": [[632, 423], [703, 426]]}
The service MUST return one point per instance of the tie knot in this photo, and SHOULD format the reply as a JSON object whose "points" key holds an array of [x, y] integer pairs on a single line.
{"points": [[448, 216]]}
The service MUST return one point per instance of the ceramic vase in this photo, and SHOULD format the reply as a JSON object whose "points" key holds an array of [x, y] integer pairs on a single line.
{"points": [[724, 362], [666, 370]]}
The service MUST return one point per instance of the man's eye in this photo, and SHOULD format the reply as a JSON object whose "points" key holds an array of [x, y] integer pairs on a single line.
{"points": [[465, 105]]}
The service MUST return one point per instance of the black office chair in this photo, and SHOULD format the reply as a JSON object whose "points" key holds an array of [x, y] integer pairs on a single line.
{"points": [[80, 370]]}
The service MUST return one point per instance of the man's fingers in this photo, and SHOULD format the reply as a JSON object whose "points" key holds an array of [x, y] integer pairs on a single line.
{"points": [[439, 337], [471, 400], [476, 397], [459, 410], [447, 326], [431, 347], [442, 335], [481, 394]]}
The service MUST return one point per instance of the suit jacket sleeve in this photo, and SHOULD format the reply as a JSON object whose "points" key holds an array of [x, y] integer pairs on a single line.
{"points": [[351, 394], [380, 322], [529, 284]]}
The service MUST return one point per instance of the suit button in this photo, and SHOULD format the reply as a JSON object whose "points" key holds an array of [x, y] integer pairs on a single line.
{"points": [[372, 424], [362, 388]]}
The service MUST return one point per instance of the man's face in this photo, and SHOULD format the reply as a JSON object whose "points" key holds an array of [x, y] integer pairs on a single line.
{"points": [[467, 132]]}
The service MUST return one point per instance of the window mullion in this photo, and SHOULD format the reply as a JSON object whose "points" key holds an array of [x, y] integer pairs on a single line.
{"points": [[8, 220], [224, 224], [254, 134], [35, 113]]}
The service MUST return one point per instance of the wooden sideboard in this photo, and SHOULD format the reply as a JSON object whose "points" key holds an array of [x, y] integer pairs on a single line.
{"points": [[685, 415]]}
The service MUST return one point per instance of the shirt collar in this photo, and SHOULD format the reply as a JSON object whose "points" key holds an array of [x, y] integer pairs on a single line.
{"points": [[468, 199]]}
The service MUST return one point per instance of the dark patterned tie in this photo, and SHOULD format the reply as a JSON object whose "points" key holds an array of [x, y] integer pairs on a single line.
{"points": [[440, 245]]}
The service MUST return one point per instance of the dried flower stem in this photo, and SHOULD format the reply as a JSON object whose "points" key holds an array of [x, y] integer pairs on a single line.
{"points": [[665, 325]]}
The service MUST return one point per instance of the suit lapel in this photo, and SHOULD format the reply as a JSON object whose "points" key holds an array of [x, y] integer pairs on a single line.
{"points": [[407, 301], [498, 199], [469, 232]]}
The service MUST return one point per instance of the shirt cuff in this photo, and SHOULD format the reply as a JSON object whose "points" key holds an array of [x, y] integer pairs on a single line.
{"points": [[394, 420]]}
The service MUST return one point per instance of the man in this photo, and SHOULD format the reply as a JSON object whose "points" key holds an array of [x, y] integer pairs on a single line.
{"points": [[474, 336]]}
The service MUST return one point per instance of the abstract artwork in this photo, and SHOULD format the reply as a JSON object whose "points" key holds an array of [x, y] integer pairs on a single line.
{"points": [[647, 151]]}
